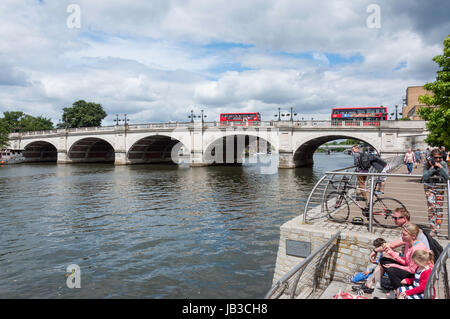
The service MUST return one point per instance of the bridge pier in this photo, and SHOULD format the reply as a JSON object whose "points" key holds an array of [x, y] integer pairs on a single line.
{"points": [[286, 160], [63, 157], [121, 158], [197, 159], [289, 160]]}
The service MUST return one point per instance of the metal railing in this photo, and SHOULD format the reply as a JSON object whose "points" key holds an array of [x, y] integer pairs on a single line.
{"points": [[438, 284], [293, 279], [401, 190], [314, 204]]}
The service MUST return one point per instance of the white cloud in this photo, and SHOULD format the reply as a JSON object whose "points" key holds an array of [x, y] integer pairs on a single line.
{"points": [[155, 60]]}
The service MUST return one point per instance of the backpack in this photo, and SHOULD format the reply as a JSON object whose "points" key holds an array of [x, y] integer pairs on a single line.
{"points": [[364, 161], [434, 245], [377, 163]]}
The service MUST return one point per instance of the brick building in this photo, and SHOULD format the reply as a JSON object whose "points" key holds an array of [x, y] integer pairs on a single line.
{"points": [[410, 110]]}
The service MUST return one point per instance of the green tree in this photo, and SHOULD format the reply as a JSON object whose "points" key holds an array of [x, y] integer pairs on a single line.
{"points": [[31, 123], [438, 117], [12, 120], [82, 114], [350, 142], [19, 121], [4, 131]]}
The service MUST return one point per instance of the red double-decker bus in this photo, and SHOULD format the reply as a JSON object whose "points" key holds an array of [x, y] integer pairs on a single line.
{"points": [[240, 118], [353, 116]]}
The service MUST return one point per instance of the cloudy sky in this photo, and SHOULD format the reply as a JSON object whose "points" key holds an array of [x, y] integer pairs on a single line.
{"points": [[157, 59]]}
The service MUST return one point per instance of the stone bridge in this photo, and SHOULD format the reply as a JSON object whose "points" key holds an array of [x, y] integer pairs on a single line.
{"points": [[201, 144]]}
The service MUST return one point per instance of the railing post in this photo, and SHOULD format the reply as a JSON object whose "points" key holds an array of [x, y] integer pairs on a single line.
{"points": [[372, 180], [309, 197], [429, 292]]}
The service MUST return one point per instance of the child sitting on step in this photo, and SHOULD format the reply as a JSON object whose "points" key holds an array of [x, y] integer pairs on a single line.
{"points": [[416, 286], [372, 271]]}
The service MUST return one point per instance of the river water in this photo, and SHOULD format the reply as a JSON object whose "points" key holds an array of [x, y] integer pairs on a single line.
{"points": [[147, 231]]}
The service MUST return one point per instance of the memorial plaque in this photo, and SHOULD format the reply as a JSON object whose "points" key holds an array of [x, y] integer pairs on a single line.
{"points": [[298, 248]]}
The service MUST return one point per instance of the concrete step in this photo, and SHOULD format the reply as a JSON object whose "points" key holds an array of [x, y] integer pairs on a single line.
{"points": [[338, 286]]}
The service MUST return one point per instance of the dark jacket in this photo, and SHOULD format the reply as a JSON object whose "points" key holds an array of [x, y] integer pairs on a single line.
{"points": [[432, 171], [357, 163]]}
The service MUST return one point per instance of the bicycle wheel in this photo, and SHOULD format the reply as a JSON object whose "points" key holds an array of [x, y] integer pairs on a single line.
{"points": [[383, 208], [337, 207]]}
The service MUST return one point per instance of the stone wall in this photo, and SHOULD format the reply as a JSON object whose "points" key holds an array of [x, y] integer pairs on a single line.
{"points": [[349, 255]]}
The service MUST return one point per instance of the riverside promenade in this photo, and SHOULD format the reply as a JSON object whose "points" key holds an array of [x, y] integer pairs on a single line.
{"points": [[326, 275], [410, 192]]}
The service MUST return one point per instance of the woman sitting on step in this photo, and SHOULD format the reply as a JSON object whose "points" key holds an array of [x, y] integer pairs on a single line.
{"points": [[401, 267]]}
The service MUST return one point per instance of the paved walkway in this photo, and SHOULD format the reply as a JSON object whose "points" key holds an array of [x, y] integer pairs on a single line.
{"points": [[410, 192]]}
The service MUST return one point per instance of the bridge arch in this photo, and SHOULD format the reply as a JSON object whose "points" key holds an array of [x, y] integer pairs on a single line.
{"points": [[304, 151], [40, 151], [155, 148], [230, 148], [270, 135], [91, 149]]}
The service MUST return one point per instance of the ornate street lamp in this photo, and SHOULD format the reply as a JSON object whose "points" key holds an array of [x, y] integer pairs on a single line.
{"points": [[192, 116], [396, 113], [292, 114], [203, 116], [118, 120], [279, 114]]}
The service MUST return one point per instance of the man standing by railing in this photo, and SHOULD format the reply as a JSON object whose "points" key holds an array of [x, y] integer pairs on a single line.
{"points": [[360, 161], [435, 176]]}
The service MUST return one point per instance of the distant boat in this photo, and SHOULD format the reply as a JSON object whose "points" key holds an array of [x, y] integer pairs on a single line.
{"points": [[11, 156]]}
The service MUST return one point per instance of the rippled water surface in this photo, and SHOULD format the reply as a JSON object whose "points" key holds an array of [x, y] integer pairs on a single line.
{"points": [[147, 231]]}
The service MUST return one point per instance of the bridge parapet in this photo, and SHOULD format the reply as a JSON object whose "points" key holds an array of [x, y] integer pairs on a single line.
{"points": [[319, 124]]}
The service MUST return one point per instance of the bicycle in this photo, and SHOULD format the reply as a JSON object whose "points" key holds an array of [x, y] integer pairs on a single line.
{"points": [[338, 208]]}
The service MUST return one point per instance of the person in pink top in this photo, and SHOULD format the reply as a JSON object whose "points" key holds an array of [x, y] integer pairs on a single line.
{"points": [[401, 267], [409, 160], [401, 217]]}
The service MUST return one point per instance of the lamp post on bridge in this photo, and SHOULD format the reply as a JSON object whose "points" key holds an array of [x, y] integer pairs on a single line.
{"points": [[203, 116], [192, 116], [279, 114], [396, 113], [117, 120], [125, 120], [292, 114]]}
